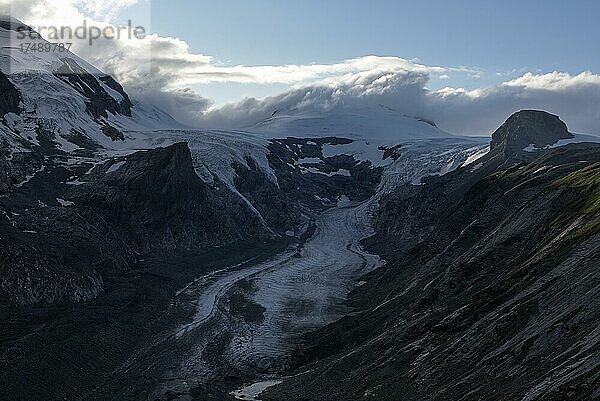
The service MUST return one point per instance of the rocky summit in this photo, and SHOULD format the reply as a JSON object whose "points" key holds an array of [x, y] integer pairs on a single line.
{"points": [[529, 128]]}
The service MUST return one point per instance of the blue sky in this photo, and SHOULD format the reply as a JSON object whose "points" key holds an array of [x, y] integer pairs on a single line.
{"points": [[503, 39], [467, 65]]}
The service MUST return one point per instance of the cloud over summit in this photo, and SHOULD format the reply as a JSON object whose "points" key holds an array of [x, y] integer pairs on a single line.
{"points": [[160, 70]]}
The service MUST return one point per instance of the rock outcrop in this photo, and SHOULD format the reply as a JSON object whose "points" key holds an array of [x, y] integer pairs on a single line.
{"points": [[529, 127], [11, 98], [157, 203], [99, 102]]}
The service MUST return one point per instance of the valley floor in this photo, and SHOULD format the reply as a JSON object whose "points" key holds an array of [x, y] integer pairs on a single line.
{"points": [[227, 320], [248, 320]]}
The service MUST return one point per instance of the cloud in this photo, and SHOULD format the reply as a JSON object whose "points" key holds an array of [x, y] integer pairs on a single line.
{"points": [[161, 69], [576, 98], [184, 105], [166, 62], [104, 9], [402, 89]]}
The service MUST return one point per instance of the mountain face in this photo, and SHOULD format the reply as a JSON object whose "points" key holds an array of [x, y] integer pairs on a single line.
{"points": [[414, 212], [66, 227], [11, 98], [57, 101], [490, 291], [529, 127], [196, 215], [99, 102]]}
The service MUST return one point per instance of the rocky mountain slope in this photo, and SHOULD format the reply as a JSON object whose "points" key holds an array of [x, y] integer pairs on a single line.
{"points": [[491, 289], [66, 224]]}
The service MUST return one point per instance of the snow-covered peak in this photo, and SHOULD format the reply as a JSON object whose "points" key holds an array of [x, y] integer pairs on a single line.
{"points": [[65, 102], [372, 122], [23, 51]]}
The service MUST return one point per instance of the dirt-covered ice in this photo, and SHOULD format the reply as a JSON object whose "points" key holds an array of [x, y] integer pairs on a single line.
{"points": [[297, 291]]}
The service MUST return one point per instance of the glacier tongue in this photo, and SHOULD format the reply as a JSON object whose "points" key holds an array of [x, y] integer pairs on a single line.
{"points": [[255, 314]]}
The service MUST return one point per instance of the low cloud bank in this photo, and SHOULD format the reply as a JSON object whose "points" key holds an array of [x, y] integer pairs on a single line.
{"points": [[160, 70]]}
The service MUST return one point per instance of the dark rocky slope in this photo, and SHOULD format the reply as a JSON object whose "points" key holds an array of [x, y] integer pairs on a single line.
{"points": [[63, 229], [99, 102], [491, 290], [156, 203], [11, 98], [318, 183], [411, 213], [529, 127]]}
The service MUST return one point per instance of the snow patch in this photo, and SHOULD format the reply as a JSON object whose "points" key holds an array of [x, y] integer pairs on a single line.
{"points": [[429, 157], [476, 167], [251, 392], [578, 138], [342, 171], [75, 182], [479, 153], [541, 169], [115, 167], [64, 202], [307, 160], [361, 150]]}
